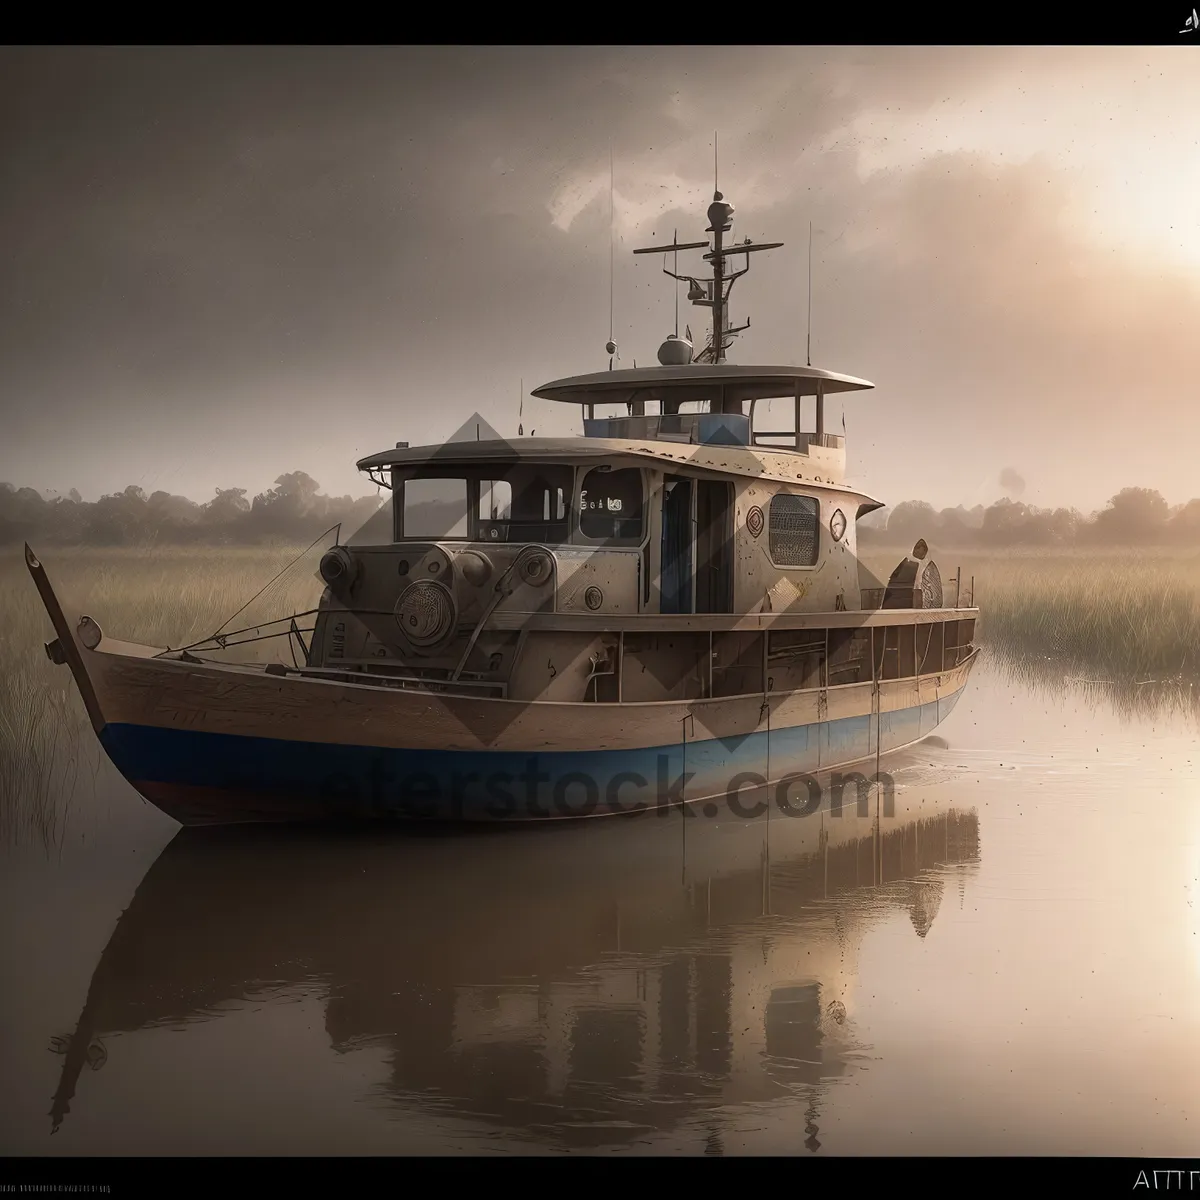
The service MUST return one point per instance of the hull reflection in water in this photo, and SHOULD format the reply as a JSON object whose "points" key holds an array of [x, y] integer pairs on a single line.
{"points": [[576, 987]]}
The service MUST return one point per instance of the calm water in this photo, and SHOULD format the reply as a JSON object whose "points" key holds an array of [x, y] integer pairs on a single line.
{"points": [[1008, 965]]}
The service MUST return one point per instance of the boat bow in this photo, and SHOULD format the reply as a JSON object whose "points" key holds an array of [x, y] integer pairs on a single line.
{"points": [[69, 645]]}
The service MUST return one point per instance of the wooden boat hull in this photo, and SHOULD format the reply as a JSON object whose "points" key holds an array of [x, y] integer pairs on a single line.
{"points": [[201, 777], [213, 744]]}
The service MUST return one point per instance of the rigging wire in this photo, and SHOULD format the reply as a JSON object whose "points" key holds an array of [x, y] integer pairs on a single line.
{"points": [[275, 579], [675, 243]]}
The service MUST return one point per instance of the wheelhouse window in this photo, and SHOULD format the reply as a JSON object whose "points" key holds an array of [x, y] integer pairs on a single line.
{"points": [[612, 506], [495, 500], [794, 524], [508, 503], [435, 508], [525, 504]]}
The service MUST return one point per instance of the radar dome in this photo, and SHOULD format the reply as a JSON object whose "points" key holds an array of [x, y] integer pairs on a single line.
{"points": [[675, 351], [720, 212]]}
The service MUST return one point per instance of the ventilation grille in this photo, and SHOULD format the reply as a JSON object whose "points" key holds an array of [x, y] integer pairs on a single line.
{"points": [[794, 521]]}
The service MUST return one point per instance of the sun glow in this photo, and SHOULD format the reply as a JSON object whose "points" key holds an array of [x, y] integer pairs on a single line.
{"points": [[1132, 163], [1194, 902]]}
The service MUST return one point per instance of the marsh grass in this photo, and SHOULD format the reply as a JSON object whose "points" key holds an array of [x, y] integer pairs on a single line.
{"points": [[1131, 700], [160, 597], [1128, 621], [1120, 617]]}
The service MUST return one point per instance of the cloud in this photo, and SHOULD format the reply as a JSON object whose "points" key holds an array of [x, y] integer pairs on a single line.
{"points": [[320, 250], [1011, 482]]}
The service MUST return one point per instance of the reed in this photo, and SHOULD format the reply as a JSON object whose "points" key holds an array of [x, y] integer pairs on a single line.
{"points": [[158, 596]]}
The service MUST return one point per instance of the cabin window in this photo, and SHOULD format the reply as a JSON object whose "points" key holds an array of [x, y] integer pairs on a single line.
{"points": [[509, 503], [612, 505], [554, 507], [537, 504], [435, 509], [495, 500], [794, 525]]}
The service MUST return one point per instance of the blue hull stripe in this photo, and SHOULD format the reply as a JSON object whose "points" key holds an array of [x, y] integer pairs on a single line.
{"points": [[218, 773]]}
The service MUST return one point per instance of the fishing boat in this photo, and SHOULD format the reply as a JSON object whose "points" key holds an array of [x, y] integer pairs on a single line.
{"points": [[657, 614]]}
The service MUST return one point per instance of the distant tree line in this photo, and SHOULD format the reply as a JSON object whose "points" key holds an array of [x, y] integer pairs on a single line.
{"points": [[295, 510], [1134, 516]]}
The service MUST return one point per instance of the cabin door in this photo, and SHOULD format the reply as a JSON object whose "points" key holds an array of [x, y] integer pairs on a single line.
{"points": [[676, 558], [714, 546]]}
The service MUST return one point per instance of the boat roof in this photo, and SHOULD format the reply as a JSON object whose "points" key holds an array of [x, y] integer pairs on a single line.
{"points": [[701, 381], [761, 462]]}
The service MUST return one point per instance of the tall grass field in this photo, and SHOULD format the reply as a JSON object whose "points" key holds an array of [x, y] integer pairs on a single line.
{"points": [[162, 597], [1126, 618]]}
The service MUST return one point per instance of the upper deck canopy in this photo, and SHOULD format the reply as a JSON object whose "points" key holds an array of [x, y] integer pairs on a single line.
{"points": [[725, 383]]}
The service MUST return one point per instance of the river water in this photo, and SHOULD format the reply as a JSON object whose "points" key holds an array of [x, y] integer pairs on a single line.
{"points": [[1006, 963]]}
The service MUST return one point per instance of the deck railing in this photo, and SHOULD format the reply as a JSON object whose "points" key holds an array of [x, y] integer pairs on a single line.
{"points": [[873, 599], [704, 429], [795, 441]]}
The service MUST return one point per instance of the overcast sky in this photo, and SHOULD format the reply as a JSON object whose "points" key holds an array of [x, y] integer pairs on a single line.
{"points": [[223, 264]]}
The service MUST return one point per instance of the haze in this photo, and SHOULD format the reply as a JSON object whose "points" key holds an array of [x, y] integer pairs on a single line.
{"points": [[221, 264]]}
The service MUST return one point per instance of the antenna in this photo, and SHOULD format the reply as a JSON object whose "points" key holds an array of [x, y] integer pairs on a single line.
{"points": [[521, 410], [611, 347], [716, 176], [810, 293], [675, 242]]}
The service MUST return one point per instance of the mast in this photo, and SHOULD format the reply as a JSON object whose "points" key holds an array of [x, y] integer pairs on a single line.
{"points": [[720, 217], [719, 220], [714, 293]]}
